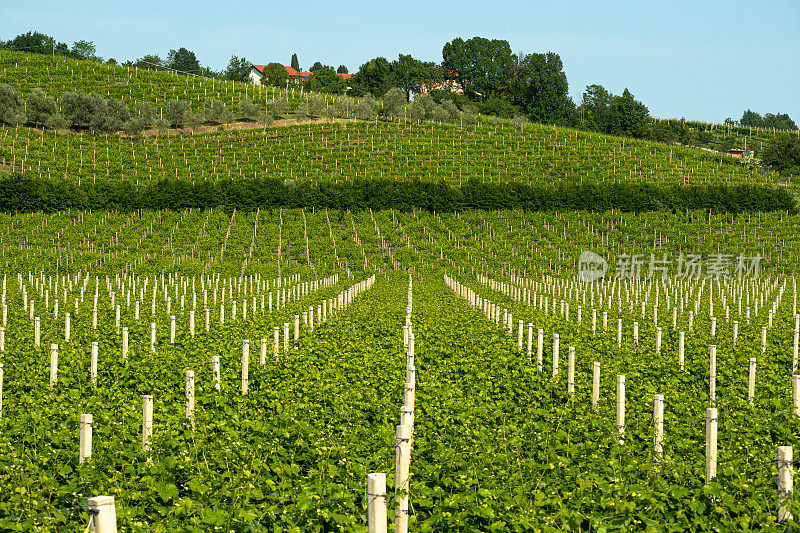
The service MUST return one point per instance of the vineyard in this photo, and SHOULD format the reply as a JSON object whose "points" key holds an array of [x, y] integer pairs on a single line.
{"points": [[266, 364], [247, 371]]}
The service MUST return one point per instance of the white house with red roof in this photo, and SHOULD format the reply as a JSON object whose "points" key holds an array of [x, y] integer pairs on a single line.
{"points": [[257, 73]]}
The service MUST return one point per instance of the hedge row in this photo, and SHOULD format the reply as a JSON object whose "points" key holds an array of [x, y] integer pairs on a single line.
{"points": [[22, 194]]}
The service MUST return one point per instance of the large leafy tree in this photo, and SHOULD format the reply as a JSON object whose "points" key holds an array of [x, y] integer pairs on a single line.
{"points": [[627, 116], [326, 80], [84, 50], [482, 65], [374, 77], [183, 60], [539, 87], [410, 73], [37, 43], [274, 74], [783, 153], [596, 105], [238, 69]]}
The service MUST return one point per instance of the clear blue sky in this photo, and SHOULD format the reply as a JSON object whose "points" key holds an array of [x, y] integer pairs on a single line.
{"points": [[698, 59]]}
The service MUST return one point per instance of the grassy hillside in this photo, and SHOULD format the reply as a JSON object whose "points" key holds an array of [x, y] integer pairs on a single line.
{"points": [[343, 151]]}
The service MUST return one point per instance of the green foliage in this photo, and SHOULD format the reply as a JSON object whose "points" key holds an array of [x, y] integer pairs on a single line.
{"points": [[326, 80], [341, 70], [216, 111], [40, 107], [783, 153], [12, 106], [249, 110], [539, 87], [37, 43], [374, 77], [145, 112], [85, 110], [85, 50], [778, 121], [238, 69], [274, 74], [482, 65], [367, 109], [183, 61], [393, 102], [295, 64], [177, 110]]}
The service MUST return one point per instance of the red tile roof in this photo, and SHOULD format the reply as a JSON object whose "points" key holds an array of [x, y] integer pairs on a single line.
{"points": [[304, 75]]}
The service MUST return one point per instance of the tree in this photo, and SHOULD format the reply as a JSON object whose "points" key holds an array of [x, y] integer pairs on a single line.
{"points": [[627, 116], [84, 110], [367, 108], [177, 110], [596, 104], [410, 73], [295, 63], [326, 80], [783, 153], [36, 43], [539, 87], [374, 77], [249, 110], [751, 118], [145, 112], [183, 60], [481, 66], [274, 74], [341, 70], [117, 115], [238, 69], [779, 121], [393, 102], [84, 50], [149, 61], [216, 111], [40, 107], [315, 67], [12, 106]]}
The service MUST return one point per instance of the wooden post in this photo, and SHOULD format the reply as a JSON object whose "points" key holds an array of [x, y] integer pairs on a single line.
{"points": [[104, 514], [796, 394], [285, 337], [190, 396], [124, 343], [401, 477], [172, 329], [751, 382], [37, 331], [621, 408], [763, 340], [530, 341], [785, 482], [658, 340], [711, 443], [85, 450], [519, 336], [276, 342], [215, 371], [619, 333], [152, 337], [376, 502], [735, 332], [636, 333], [556, 341], [681, 349], [595, 384], [1, 390], [191, 323], [296, 331], [245, 364], [53, 364], [540, 349], [67, 323], [93, 364], [262, 357], [147, 422], [658, 424], [713, 326], [712, 373], [207, 319], [571, 371]]}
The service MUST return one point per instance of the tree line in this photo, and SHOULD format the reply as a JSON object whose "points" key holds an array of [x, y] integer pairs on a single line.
{"points": [[19, 193]]}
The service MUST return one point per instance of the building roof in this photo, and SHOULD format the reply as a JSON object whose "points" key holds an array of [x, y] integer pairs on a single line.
{"points": [[295, 74]]}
